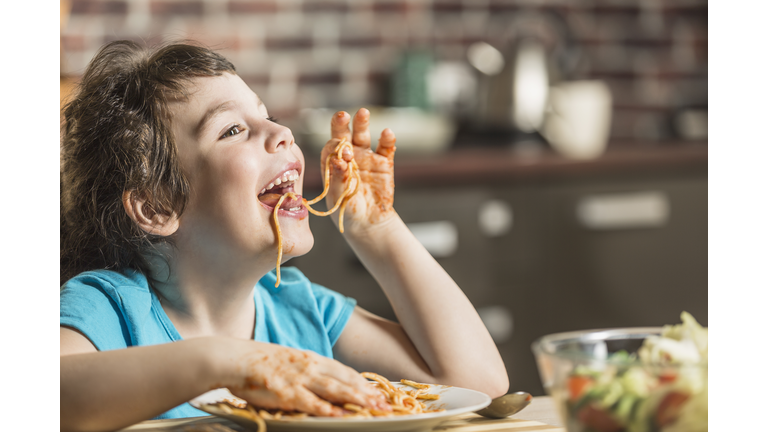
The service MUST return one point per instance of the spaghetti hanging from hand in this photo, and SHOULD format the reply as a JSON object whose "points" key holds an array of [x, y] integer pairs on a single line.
{"points": [[341, 203]]}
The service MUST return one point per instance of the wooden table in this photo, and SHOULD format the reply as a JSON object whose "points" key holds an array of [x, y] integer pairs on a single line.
{"points": [[540, 416]]}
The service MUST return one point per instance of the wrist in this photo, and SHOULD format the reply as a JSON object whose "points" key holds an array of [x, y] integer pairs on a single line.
{"points": [[216, 365], [376, 233]]}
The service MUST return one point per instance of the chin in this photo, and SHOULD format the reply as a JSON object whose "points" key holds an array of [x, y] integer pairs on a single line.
{"points": [[302, 245]]}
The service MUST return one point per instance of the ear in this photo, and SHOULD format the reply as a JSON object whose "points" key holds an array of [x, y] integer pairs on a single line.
{"points": [[147, 217]]}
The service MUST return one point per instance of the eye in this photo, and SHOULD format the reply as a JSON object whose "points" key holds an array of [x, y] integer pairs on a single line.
{"points": [[272, 119], [232, 131]]}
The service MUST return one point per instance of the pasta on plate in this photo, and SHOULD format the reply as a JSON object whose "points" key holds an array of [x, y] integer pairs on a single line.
{"points": [[403, 402]]}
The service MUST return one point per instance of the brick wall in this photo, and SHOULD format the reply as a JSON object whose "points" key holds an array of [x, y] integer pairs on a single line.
{"points": [[315, 53]]}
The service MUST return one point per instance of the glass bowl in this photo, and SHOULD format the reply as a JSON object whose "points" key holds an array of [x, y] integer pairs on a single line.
{"points": [[599, 383]]}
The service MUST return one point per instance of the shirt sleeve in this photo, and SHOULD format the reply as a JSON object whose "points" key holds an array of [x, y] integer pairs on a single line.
{"points": [[335, 309], [86, 307]]}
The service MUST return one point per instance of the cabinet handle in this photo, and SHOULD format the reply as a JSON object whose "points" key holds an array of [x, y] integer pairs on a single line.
{"points": [[495, 218], [646, 209], [499, 322], [440, 238]]}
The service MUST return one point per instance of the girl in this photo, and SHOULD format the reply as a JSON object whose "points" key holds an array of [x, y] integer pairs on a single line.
{"points": [[171, 169]]}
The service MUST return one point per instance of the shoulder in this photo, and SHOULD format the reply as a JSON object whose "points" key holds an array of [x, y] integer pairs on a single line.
{"points": [[296, 287], [102, 303], [118, 286], [124, 288], [104, 285], [107, 279], [305, 304]]}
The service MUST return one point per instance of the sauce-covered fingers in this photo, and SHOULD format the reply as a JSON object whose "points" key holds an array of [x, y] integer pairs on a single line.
{"points": [[340, 393], [340, 126], [339, 166], [361, 135], [386, 145], [328, 149], [349, 377], [347, 154], [308, 402]]}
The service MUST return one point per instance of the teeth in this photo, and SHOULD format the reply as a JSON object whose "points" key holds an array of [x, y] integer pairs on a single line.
{"points": [[294, 209], [262, 191], [288, 176]]}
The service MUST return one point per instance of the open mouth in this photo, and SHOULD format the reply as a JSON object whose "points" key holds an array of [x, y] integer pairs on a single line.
{"points": [[280, 186]]}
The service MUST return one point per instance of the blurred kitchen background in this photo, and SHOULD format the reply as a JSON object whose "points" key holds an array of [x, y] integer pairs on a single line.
{"points": [[552, 154]]}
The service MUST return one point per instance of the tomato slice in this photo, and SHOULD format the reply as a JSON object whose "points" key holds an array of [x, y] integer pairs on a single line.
{"points": [[577, 385], [669, 407], [598, 419], [667, 377]]}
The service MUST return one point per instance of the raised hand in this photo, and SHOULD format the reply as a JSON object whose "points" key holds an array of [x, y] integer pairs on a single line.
{"points": [[372, 203]]}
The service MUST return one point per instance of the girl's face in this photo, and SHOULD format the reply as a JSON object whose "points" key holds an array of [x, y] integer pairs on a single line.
{"points": [[233, 154]]}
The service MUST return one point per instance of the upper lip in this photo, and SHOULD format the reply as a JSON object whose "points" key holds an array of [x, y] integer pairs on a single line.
{"points": [[296, 165]]}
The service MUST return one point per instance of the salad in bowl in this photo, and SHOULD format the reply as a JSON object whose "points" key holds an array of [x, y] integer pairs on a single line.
{"points": [[629, 380]]}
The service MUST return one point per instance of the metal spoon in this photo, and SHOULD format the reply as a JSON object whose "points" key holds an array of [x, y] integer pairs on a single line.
{"points": [[505, 406]]}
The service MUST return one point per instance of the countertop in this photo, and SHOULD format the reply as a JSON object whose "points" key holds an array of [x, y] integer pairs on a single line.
{"points": [[467, 164]]}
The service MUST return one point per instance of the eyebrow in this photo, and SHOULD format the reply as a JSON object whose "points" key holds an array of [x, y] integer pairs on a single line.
{"points": [[213, 112]]}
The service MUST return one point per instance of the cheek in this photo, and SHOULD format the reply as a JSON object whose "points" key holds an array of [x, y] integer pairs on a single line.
{"points": [[296, 150], [225, 199], [233, 174], [299, 154], [239, 168]]}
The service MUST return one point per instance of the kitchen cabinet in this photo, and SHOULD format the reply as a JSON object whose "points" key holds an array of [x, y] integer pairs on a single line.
{"points": [[579, 250], [560, 275]]}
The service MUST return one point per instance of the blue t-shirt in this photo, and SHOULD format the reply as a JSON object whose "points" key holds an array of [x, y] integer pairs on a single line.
{"points": [[118, 310]]}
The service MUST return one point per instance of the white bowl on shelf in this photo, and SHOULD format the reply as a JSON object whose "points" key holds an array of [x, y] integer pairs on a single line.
{"points": [[417, 131]]}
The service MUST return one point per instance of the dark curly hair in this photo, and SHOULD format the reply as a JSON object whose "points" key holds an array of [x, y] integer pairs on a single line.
{"points": [[116, 137]]}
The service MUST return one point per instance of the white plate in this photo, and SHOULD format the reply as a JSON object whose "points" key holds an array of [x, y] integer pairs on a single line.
{"points": [[454, 400]]}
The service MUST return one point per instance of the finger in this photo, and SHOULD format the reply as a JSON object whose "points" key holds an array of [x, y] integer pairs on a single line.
{"points": [[328, 148], [361, 134], [338, 393], [350, 377], [386, 145], [339, 165], [340, 126], [338, 171], [310, 403], [347, 154]]}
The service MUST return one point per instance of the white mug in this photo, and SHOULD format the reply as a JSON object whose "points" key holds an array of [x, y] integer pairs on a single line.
{"points": [[578, 118]]}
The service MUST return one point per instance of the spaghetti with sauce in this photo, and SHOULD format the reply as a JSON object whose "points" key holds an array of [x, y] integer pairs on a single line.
{"points": [[341, 203], [402, 401]]}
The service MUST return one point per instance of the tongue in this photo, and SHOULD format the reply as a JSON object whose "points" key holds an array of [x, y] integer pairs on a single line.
{"points": [[271, 199]]}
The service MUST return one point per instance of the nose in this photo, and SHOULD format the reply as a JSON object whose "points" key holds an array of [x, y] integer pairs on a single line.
{"points": [[280, 138]]}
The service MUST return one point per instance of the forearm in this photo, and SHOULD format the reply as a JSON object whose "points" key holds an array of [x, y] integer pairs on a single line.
{"points": [[113, 389], [434, 312]]}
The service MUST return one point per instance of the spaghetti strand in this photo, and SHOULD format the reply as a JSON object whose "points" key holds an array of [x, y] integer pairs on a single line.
{"points": [[341, 202], [290, 195]]}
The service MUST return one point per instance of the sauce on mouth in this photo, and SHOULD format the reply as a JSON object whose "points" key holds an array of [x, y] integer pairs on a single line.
{"points": [[271, 198]]}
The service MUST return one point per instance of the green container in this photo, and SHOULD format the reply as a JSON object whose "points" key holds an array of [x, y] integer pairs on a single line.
{"points": [[409, 80]]}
